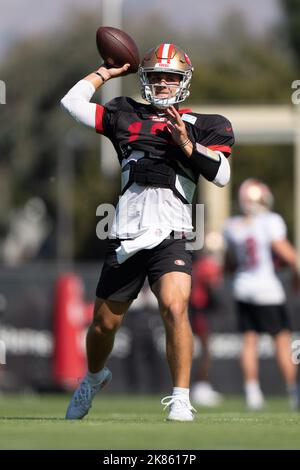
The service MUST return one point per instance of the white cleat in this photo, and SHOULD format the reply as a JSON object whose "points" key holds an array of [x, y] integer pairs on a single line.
{"points": [[203, 394], [83, 396], [180, 408]]}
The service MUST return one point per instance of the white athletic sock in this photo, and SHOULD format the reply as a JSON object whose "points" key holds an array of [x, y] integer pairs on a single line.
{"points": [[94, 378], [252, 386], [203, 384], [293, 397], [181, 391], [291, 389]]}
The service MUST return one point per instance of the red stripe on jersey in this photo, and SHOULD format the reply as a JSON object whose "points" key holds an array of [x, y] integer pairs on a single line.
{"points": [[160, 51], [221, 148], [170, 52], [99, 118]]}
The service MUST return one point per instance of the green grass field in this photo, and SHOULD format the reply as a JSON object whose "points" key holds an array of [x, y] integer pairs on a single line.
{"points": [[122, 422]]}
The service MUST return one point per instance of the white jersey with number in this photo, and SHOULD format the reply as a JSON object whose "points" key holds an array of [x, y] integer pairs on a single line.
{"points": [[250, 240]]}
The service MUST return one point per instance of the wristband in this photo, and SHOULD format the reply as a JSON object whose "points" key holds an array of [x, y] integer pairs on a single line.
{"points": [[101, 76], [184, 143]]}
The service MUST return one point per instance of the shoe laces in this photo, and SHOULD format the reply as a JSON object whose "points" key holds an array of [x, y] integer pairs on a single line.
{"points": [[177, 400]]}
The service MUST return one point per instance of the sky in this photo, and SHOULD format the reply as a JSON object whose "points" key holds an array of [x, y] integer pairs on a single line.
{"points": [[19, 18]]}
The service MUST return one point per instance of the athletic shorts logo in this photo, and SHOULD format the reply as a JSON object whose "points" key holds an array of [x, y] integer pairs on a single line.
{"points": [[179, 262]]}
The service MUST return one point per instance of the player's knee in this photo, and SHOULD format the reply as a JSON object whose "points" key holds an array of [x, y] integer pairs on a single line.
{"points": [[175, 311], [104, 324], [104, 327]]}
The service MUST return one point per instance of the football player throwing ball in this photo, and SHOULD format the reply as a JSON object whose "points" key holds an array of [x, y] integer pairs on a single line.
{"points": [[162, 150]]}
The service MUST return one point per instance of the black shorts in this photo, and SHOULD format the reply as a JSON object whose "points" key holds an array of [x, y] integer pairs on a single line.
{"points": [[262, 318], [122, 282]]}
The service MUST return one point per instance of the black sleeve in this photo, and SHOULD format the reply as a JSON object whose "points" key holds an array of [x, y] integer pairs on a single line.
{"points": [[206, 161], [211, 133], [215, 132]]}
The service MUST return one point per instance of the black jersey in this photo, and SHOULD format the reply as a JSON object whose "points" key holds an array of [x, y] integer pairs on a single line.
{"points": [[136, 126]]}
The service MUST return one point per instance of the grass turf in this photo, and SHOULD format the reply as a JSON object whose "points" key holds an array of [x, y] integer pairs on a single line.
{"points": [[137, 422]]}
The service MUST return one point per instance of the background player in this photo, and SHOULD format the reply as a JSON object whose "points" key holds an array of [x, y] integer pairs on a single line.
{"points": [[207, 277], [259, 295], [162, 152]]}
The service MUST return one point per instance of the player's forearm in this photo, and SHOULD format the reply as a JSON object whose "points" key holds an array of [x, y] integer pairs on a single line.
{"points": [[77, 101], [285, 250], [103, 74], [213, 166], [98, 78]]}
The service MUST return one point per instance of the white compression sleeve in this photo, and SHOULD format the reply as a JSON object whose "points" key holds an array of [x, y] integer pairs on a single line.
{"points": [[223, 176], [77, 103]]}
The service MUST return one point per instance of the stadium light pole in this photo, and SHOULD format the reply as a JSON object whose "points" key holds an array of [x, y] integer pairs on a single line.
{"points": [[111, 16]]}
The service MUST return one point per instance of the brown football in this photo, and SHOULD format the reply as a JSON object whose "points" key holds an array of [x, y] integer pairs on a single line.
{"points": [[117, 48]]}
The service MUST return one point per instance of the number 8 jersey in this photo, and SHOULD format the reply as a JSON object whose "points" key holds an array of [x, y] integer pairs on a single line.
{"points": [[249, 240]]}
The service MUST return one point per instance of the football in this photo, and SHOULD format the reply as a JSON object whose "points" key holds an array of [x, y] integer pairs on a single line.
{"points": [[117, 48]]}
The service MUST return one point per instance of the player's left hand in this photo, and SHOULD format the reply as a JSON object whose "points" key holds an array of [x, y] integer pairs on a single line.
{"points": [[176, 126]]}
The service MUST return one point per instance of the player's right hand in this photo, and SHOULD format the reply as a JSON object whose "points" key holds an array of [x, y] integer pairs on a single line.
{"points": [[113, 72]]}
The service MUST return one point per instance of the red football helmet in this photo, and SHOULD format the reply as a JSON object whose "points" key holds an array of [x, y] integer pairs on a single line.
{"points": [[254, 197], [166, 58]]}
